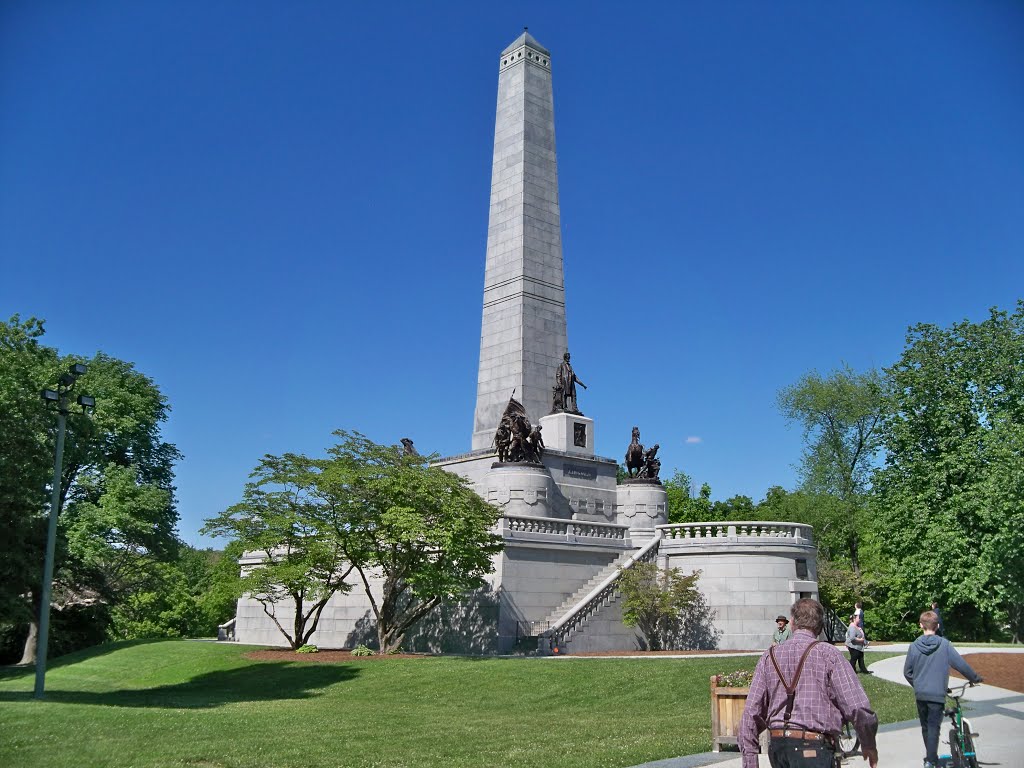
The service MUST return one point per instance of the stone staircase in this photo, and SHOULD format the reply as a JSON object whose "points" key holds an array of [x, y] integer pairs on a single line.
{"points": [[573, 600], [584, 604]]}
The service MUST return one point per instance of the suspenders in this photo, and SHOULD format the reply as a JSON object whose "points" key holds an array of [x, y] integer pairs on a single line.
{"points": [[790, 687]]}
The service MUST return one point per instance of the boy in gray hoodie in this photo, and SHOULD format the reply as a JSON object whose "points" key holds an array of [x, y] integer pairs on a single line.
{"points": [[927, 669]]}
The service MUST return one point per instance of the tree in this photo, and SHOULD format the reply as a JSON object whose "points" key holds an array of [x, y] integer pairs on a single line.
{"points": [[682, 508], [24, 364], [118, 527], [950, 498], [841, 416], [823, 512], [299, 537], [737, 507], [117, 446], [184, 598], [423, 532], [655, 601]]}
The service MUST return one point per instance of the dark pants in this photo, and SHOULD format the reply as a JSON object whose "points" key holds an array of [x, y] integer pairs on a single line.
{"points": [[856, 657], [930, 714], [798, 753]]}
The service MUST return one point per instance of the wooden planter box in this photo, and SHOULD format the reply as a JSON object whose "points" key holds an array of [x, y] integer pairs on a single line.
{"points": [[726, 710]]}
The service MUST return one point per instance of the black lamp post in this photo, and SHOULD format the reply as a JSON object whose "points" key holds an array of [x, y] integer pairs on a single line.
{"points": [[62, 397]]}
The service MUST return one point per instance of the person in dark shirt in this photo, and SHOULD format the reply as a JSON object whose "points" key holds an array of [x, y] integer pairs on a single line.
{"points": [[941, 630], [927, 669]]}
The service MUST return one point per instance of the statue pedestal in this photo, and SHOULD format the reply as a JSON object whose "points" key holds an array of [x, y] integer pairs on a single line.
{"points": [[641, 504], [521, 489], [568, 433]]}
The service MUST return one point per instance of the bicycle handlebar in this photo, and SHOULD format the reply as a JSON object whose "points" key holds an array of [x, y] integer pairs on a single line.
{"points": [[961, 689]]}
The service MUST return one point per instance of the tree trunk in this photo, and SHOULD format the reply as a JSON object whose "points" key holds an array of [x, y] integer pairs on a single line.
{"points": [[387, 640], [28, 654]]}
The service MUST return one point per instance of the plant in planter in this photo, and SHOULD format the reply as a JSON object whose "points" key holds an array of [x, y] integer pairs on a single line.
{"points": [[739, 679]]}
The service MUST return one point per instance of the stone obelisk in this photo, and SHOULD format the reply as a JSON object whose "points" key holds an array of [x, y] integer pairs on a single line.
{"points": [[523, 335]]}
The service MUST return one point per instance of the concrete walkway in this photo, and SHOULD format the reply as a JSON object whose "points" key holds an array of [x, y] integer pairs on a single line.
{"points": [[995, 713]]}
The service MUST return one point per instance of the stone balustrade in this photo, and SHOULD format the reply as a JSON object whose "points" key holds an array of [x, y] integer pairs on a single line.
{"points": [[565, 530], [522, 524], [748, 532]]}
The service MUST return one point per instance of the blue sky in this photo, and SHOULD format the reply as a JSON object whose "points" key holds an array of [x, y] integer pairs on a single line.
{"points": [[279, 211]]}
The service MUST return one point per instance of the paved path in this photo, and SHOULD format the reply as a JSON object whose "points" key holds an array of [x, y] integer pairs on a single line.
{"points": [[996, 713]]}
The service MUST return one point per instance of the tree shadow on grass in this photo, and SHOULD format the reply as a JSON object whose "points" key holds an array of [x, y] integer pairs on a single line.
{"points": [[254, 682], [54, 662]]}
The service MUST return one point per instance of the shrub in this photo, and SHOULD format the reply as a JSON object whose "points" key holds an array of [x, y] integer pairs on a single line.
{"points": [[307, 649], [362, 650], [667, 608]]}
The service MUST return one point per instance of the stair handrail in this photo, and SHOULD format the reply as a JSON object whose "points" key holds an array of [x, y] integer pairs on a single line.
{"points": [[646, 553], [226, 631], [832, 624]]}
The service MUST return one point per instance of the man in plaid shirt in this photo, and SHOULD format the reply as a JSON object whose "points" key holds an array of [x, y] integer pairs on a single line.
{"points": [[804, 727]]}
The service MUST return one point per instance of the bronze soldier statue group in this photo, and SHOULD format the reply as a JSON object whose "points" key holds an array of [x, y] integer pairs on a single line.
{"points": [[515, 440]]}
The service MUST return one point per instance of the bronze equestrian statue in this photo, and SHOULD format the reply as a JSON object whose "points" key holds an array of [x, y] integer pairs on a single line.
{"points": [[635, 455]]}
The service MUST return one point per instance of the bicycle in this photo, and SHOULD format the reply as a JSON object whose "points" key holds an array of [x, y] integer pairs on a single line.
{"points": [[961, 737], [848, 740]]}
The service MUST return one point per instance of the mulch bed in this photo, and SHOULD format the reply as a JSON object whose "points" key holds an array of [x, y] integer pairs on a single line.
{"points": [[1005, 670]]}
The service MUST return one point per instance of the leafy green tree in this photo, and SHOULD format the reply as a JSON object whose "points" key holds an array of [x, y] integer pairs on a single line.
{"points": [[299, 537], [823, 512], [683, 509], [950, 498], [219, 596], [841, 415], [655, 601], [182, 599], [118, 528], [24, 455], [737, 507], [422, 534], [117, 446]]}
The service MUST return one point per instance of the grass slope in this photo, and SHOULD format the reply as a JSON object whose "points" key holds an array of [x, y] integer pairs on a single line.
{"points": [[181, 703]]}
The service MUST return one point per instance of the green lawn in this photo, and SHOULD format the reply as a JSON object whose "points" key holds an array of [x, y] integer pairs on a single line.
{"points": [[180, 703]]}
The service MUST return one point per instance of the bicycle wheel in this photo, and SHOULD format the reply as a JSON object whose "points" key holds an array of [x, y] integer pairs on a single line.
{"points": [[955, 752], [848, 740], [970, 756]]}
